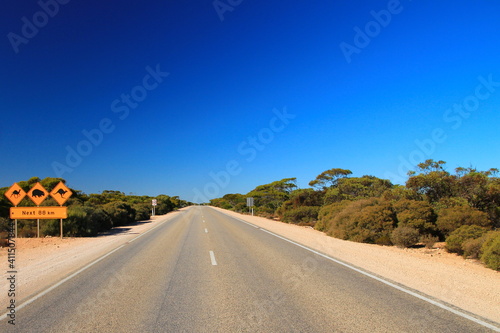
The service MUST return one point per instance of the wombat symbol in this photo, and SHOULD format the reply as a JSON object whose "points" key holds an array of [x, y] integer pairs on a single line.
{"points": [[38, 193]]}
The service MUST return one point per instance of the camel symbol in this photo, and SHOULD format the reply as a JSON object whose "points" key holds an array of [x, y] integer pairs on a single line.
{"points": [[16, 193], [61, 192], [38, 193]]}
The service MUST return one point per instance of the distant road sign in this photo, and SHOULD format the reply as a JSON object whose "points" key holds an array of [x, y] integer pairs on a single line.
{"points": [[154, 202], [28, 213], [37, 194], [61, 193], [250, 202], [15, 194]]}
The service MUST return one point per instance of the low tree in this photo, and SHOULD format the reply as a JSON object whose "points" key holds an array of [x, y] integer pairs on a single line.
{"points": [[270, 197], [433, 181], [416, 214], [450, 219], [329, 178], [357, 188], [298, 199], [400, 192]]}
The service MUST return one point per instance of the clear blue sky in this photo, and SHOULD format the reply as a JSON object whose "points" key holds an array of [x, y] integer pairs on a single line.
{"points": [[373, 87]]}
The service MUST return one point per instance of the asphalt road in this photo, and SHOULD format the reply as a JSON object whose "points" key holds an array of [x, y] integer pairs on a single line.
{"points": [[204, 271]]}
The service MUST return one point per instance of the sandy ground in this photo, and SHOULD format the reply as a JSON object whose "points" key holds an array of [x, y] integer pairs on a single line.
{"points": [[462, 283]]}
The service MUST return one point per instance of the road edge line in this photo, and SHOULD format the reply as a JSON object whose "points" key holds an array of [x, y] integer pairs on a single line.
{"points": [[46, 291], [380, 279]]}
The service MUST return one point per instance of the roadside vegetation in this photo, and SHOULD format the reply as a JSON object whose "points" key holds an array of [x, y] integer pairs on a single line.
{"points": [[462, 209], [88, 214]]}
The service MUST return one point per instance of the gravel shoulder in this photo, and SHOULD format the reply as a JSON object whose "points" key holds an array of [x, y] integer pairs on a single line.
{"points": [[466, 284]]}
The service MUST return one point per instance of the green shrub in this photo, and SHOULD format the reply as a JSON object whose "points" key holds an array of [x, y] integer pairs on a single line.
{"points": [[4, 224], [50, 227], [416, 214], [4, 242], [76, 221], [306, 197], [491, 250], [264, 211], [142, 211], [99, 221], [303, 214], [472, 247], [327, 213], [450, 202], [26, 228], [405, 236], [121, 213], [82, 221], [368, 221], [429, 240], [455, 241], [450, 219], [241, 207]]}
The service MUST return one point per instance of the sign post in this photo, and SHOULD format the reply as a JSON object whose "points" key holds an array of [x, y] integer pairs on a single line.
{"points": [[61, 193], [15, 194], [250, 203], [154, 202], [37, 194]]}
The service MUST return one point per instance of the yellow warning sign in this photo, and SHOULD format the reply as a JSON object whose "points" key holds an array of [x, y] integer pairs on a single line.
{"points": [[15, 194], [61, 193], [37, 194], [27, 213]]}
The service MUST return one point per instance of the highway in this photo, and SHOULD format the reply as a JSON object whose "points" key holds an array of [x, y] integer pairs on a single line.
{"points": [[204, 271]]}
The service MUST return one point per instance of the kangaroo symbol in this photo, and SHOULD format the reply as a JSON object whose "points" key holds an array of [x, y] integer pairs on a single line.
{"points": [[61, 192], [16, 193]]}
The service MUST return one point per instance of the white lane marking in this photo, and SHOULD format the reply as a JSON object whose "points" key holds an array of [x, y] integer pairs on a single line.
{"points": [[212, 258], [206, 230], [426, 299], [46, 291]]}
